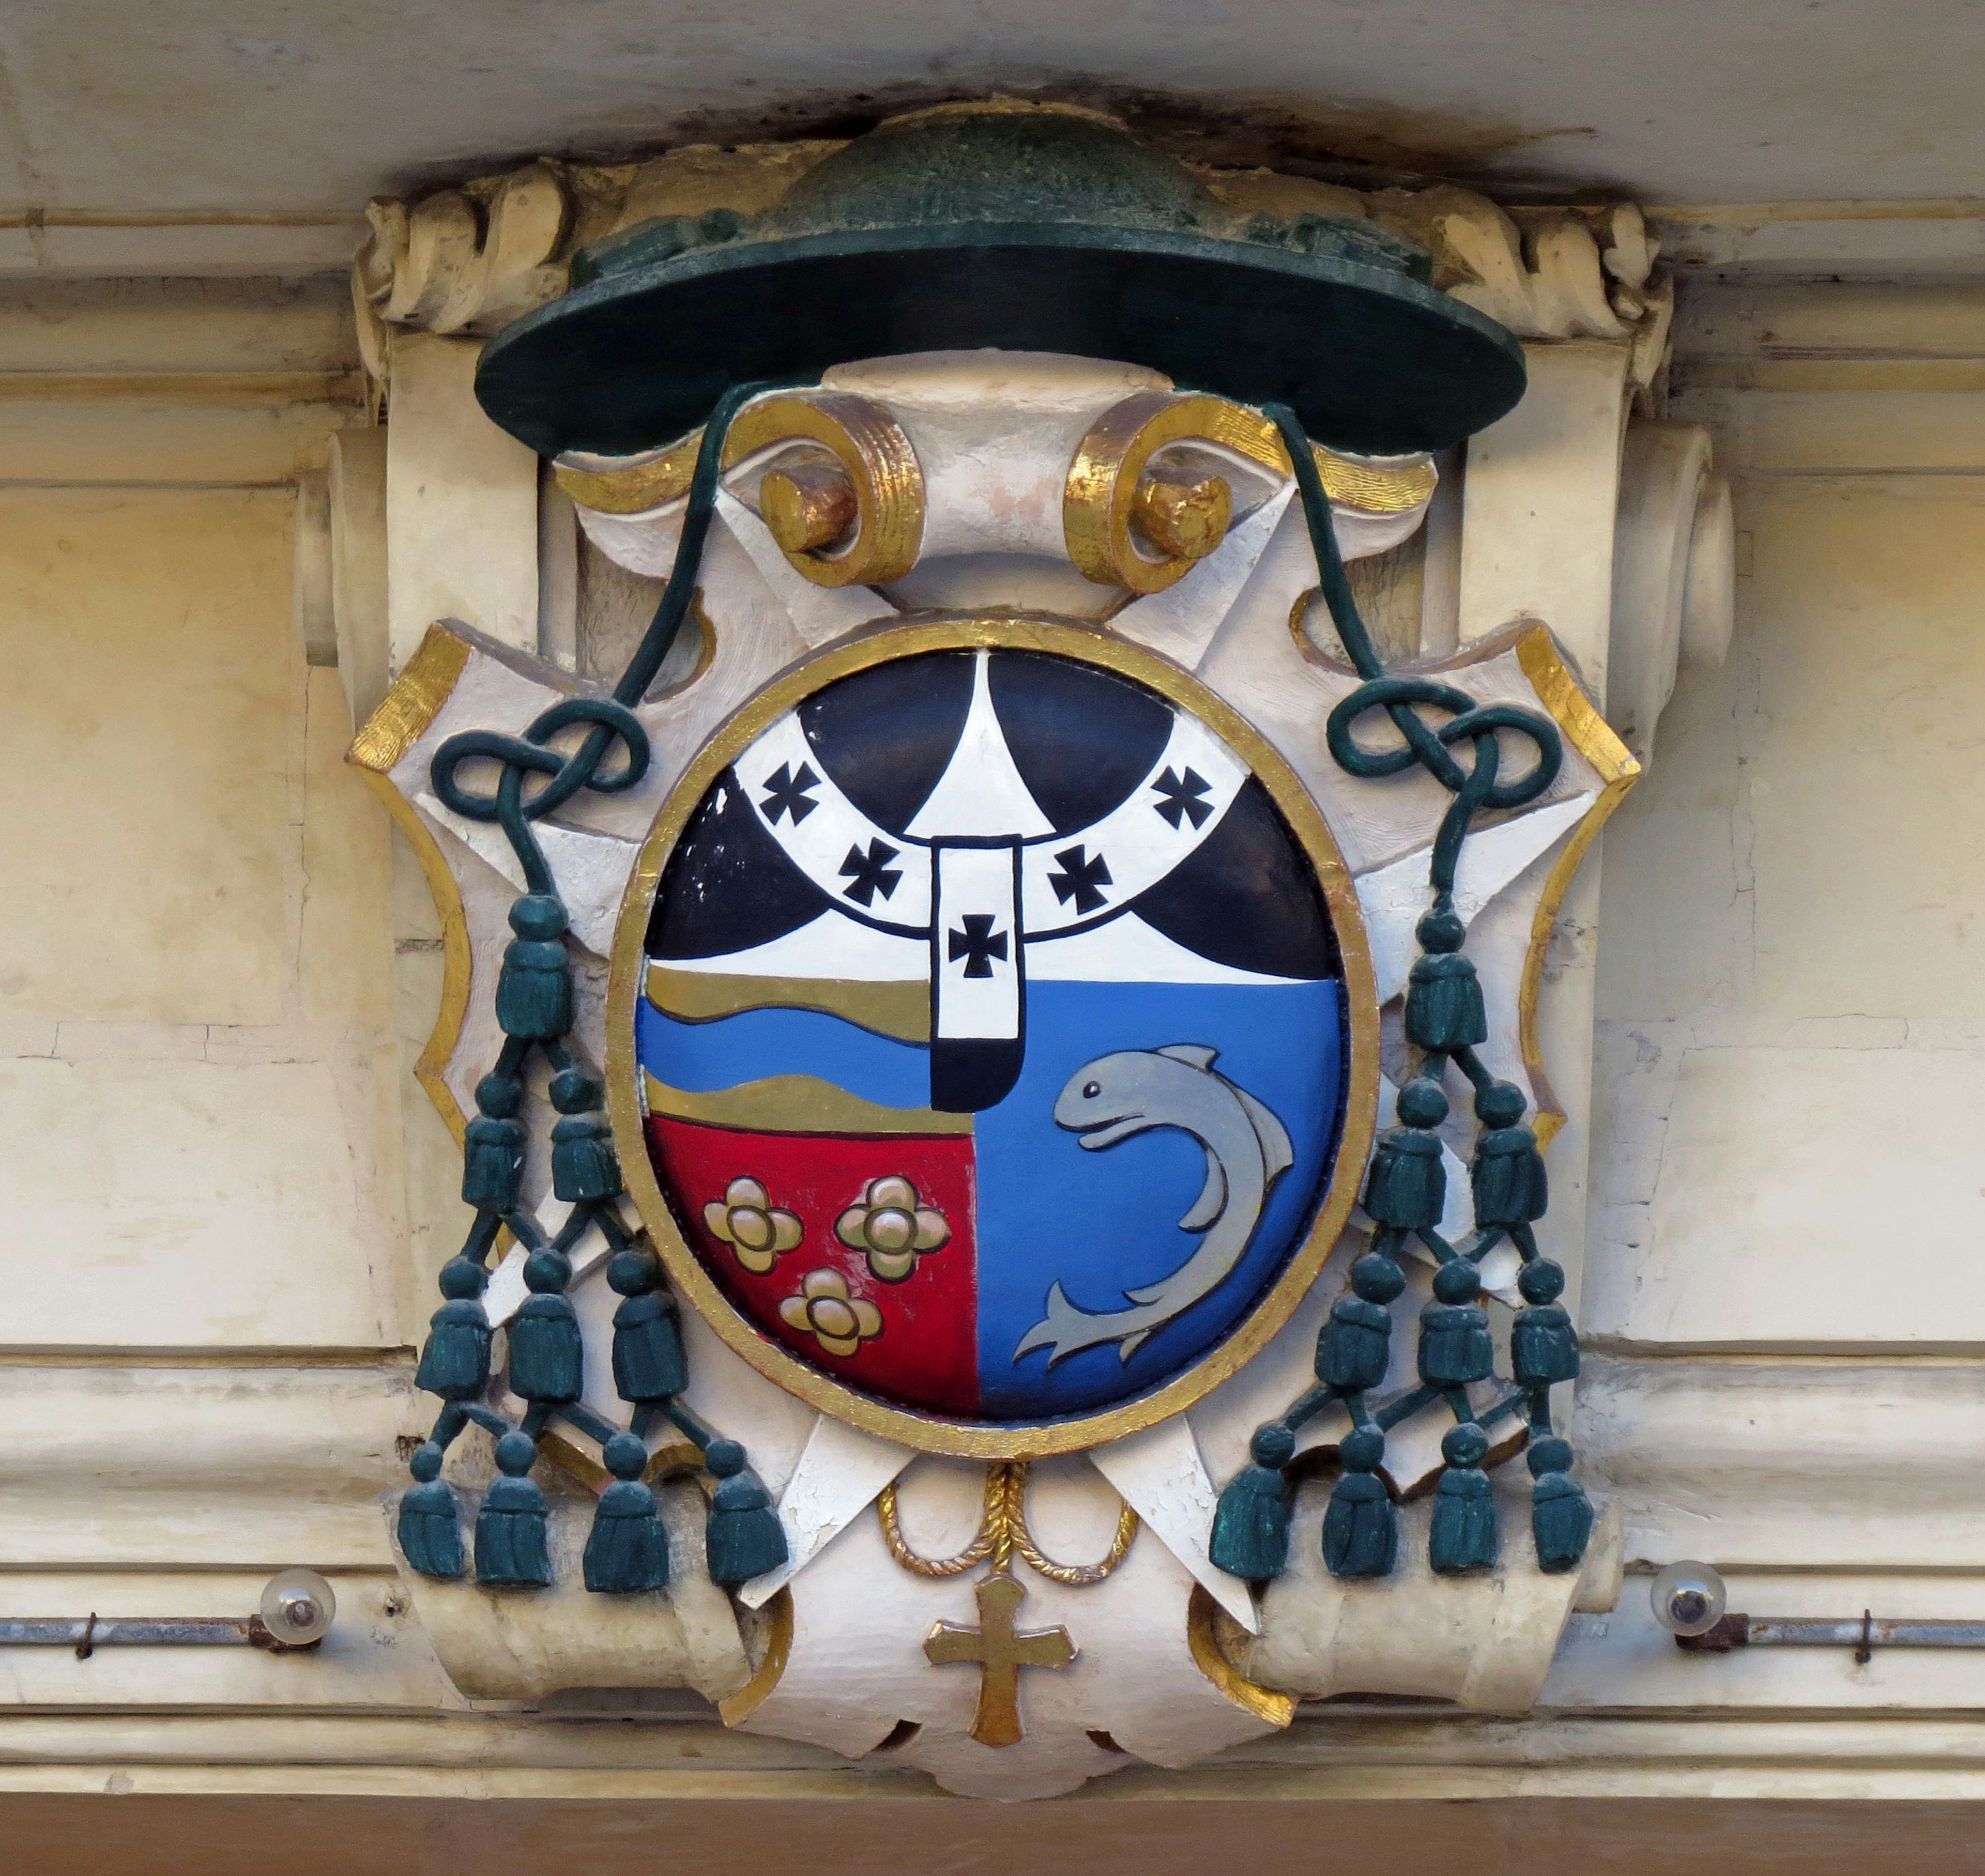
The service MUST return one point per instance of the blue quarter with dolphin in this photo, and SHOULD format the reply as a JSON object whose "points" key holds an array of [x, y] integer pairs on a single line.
{"points": [[1096, 1210]]}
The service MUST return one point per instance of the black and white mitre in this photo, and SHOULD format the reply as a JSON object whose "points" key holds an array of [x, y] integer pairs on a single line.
{"points": [[973, 819]]}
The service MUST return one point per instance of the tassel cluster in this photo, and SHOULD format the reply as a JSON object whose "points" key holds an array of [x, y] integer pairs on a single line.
{"points": [[627, 1550], [1445, 1019]]}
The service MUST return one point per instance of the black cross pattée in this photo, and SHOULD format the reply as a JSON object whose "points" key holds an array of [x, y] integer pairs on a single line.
{"points": [[870, 873], [1080, 879], [978, 944], [1183, 797], [786, 793]]}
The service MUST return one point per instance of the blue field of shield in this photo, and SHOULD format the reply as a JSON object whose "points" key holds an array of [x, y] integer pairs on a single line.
{"points": [[1100, 1222]]}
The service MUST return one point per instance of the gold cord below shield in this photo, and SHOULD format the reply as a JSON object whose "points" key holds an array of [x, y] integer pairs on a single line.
{"points": [[1002, 1534]]}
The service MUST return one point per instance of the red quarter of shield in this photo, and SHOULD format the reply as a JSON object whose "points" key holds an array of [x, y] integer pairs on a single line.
{"points": [[853, 1252]]}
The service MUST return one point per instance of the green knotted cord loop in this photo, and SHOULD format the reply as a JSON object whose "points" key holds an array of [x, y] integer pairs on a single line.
{"points": [[628, 1550], [1406, 1193]]}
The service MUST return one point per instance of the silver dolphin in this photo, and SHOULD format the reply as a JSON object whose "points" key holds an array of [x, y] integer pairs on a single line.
{"points": [[1246, 1150]]}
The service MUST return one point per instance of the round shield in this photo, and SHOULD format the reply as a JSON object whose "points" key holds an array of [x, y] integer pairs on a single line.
{"points": [[991, 1036]]}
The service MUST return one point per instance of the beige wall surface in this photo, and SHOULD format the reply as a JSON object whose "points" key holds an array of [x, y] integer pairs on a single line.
{"points": [[201, 1013], [1783, 1292], [204, 1354]]}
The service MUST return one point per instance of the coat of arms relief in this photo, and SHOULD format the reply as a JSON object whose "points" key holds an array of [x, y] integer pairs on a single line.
{"points": [[996, 1061]]}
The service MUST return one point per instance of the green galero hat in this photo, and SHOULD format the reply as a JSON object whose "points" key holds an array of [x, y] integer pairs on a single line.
{"points": [[1028, 227]]}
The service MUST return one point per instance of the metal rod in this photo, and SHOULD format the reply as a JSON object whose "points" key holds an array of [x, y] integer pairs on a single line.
{"points": [[85, 1634], [1862, 1633], [1859, 1631]]}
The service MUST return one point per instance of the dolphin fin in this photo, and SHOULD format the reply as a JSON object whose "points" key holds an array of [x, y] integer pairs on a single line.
{"points": [[1130, 1345], [1193, 1054], [1212, 1201], [1047, 1331], [1277, 1156]]}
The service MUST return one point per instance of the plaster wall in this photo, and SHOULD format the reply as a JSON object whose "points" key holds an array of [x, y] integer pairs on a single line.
{"points": [[220, 962], [1781, 1291]]}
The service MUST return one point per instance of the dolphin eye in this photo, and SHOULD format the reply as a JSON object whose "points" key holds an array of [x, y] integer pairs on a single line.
{"points": [[1091, 1089]]}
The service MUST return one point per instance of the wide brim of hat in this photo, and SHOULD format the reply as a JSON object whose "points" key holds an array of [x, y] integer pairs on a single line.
{"points": [[1373, 362]]}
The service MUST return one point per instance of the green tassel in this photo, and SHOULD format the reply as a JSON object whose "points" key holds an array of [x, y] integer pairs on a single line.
{"points": [[1560, 1522], [546, 1356], [534, 988], [1464, 1508], [582, 1163], [454, 1363], [1507, 1175], [1360, 1531], [648, 1361], [430, 1535], [492, 1147], [1251, 1524], [1455, 1344], [1543, 1344], [511, 1544], [744, 1538], [1444, 1010], [1354, 1349], [627, 1550], [1507, 1178], [1407, 1189]]}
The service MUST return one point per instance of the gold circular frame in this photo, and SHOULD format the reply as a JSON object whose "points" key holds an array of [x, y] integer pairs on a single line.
{"points": [[928, 1433]]}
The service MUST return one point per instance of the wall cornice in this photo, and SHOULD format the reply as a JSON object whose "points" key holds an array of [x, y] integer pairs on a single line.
{"points": [[471, 258]]}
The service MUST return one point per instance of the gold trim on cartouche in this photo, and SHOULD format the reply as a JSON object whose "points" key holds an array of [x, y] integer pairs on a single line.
{"points": [[403, 717], [413, 703], [1587, 732], [765, 1676], [1204, 1619], [970, 1439], [634, 489], [1100, 497], [858, 432]]}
